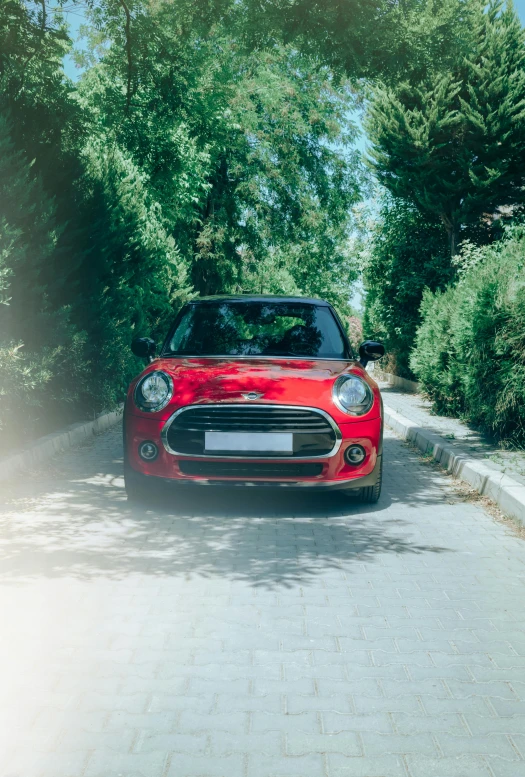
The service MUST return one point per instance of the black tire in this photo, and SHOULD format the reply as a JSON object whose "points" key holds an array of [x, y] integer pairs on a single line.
{"points": [[137, 490], [370, 494]]}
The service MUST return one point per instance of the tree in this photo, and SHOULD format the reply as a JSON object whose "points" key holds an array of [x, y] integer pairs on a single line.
{"points": [[181, 163], [130, 273], [42, 359], [28, 234], [46, 121], [246, 153], [454, 144], [406, 253]]}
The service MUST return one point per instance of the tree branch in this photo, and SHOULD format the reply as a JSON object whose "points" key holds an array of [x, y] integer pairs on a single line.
{"points": [[43, 24], [128, 52]]}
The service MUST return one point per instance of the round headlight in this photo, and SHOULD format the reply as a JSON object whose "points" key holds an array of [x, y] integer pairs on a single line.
{"points": [[153, 392], [352, 395]]}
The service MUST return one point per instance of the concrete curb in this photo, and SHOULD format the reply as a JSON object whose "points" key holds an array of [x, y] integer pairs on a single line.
{"points": [[395, 380], [47, 446], [506, 492]]}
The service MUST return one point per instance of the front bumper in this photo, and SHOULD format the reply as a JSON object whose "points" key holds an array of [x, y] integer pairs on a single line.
{"points": [[339, 485], [335, 472]]}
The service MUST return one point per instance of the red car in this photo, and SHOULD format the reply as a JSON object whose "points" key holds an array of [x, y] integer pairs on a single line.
{"points": [[259, 391]]}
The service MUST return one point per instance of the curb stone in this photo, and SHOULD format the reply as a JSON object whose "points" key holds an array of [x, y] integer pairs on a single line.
{"points": [[394, 380], [506, 492], [53, 443]]}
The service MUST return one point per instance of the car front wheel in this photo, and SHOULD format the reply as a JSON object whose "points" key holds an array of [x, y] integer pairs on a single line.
{"points": [[135, 485], [370, 494]]}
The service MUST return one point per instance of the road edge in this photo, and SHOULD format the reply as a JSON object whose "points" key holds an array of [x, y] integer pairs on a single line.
{"points": [[506, 492], [56, 442]]}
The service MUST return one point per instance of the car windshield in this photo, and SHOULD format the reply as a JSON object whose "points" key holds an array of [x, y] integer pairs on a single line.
{"points": [[257, 328]]}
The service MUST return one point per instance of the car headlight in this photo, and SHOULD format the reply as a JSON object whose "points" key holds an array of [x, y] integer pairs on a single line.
{"points": [[352, 395], [153, 391]]}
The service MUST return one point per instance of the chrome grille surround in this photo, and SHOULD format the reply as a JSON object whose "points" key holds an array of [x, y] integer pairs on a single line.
{"points": [[249, 407]]}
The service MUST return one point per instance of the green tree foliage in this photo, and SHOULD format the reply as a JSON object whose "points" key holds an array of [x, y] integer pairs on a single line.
{"points": [[46, 122], [406, 254], [181, 163], [244, 152], [454, 143], [131, 273], [42, 359], [470, 347], [366, 38], [85, 252]]}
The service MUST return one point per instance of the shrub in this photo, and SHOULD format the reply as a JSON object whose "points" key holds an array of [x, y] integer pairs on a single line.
{"points": [[470, 348], [43, 388]]}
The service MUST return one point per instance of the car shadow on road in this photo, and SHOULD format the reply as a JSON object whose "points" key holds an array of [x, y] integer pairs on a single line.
{"points": [[82, 526]]}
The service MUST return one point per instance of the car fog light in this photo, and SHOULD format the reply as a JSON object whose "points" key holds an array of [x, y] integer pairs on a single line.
{"points": [[148, 451], [355, 454]]}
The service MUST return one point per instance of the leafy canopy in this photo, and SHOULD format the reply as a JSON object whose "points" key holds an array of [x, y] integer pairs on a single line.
{"points": [[184, 161]]}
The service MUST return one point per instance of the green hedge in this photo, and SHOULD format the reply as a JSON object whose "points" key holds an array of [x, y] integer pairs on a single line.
{"points": [[469, 352]]}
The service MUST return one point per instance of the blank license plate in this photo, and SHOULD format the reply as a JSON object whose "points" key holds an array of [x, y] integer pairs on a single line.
{"points": [[252, 442]]}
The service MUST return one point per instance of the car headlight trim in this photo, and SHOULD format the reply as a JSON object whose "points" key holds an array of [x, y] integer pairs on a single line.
{"points": [[352, 395], [153, 391]]}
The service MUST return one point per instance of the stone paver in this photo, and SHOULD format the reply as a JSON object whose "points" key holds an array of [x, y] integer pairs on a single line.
{"points": [[250, 634]]}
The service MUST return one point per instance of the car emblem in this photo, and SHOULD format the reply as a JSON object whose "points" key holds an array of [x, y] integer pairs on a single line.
{"points": [[252, 395]]}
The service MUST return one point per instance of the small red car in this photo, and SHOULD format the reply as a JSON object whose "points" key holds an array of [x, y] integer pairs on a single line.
{"points": [[259, 391]]}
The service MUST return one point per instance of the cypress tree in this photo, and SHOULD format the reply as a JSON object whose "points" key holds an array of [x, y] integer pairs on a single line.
{"points": [[28, 233], [454, 143]]}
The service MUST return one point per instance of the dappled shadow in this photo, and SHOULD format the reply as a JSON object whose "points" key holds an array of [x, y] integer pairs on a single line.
{"points": [[478, 442], [463, 438], [76, 522]]}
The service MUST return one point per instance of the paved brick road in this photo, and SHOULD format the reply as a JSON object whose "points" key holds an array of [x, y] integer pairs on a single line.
{"points": [[258, 636]]}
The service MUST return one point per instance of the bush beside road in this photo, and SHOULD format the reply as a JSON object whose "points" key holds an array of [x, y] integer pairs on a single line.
{"points": [[469, 353]]}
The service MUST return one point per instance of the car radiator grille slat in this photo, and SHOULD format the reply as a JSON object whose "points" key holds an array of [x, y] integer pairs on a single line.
{"points": [[220, 469], [252, 427], [313, 434]]}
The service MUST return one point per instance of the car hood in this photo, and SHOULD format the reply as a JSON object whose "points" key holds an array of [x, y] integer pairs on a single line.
{"points": [[285, 381]]}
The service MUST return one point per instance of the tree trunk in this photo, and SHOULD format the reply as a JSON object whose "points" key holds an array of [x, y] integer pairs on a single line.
{"points": [[452, 233], [453, 238]]}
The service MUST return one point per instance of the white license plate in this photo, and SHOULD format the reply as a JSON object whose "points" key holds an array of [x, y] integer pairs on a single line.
{"points": [[251, 442]]}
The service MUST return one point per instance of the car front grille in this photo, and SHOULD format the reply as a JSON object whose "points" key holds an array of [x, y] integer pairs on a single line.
{"points": [[313, 433], [247, 470]]}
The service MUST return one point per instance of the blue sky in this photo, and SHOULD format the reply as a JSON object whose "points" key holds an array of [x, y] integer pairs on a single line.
{"points": [[75, 18]]}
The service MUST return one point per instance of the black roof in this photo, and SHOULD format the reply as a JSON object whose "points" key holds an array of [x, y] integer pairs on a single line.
{"points": [[257, 298]]}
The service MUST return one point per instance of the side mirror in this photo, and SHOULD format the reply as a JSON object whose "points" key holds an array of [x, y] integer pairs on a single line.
{"points": [[144, 348], [370, 351]]}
